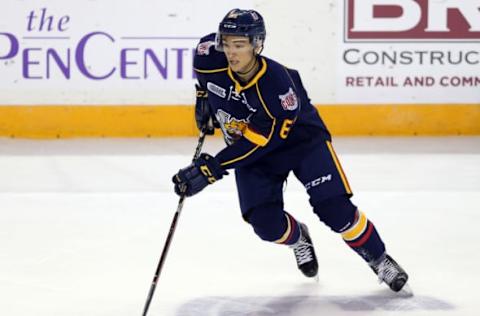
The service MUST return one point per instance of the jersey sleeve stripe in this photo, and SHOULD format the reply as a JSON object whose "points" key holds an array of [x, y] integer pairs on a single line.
{"points": [[209, 71], [255, 138], [239, 158]]}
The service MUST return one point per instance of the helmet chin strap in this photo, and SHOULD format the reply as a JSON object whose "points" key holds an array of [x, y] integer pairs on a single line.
{"points": [[260, 50]]}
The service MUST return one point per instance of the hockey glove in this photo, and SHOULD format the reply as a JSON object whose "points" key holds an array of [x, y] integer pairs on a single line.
{"points": [[201, 172], [204, 118]]}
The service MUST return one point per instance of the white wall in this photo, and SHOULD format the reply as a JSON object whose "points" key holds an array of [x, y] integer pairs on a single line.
{"points": [[306, 34]]}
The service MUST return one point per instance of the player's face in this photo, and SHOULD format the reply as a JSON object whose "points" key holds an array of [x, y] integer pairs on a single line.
{"points": [[239, 52]]}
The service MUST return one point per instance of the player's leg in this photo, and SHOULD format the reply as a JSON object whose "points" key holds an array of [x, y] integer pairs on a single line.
{"points": [[261, 202], [360, 234], [327, 185], [343, 217]]}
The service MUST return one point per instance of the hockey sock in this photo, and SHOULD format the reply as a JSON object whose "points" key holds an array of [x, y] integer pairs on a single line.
{"points": [[364, 239], [292, 231]]}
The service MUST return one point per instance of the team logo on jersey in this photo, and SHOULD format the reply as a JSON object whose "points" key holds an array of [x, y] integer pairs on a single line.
{"points": [[232, 127], [221, 92], [289, 100], [240, 97], [204, 47]]}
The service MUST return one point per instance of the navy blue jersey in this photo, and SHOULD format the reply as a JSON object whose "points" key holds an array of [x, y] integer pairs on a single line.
{"points": [[263, 120]]}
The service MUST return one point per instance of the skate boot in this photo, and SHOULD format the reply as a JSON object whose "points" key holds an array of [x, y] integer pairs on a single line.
{"points": [[305, 254], [390, 272]]}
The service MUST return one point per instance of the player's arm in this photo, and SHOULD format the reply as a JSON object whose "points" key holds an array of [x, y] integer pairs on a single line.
{"points": [[267, 131], [204, 117], [205, 61]]}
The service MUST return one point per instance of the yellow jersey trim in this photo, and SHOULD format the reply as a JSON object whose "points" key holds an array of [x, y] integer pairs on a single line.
{"points": [[240, 158], [268, 113], [238, 86], [339, 168], [257, 139], [210, 71], [269, 136]]}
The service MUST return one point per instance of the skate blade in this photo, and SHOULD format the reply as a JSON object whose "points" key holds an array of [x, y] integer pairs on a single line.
{"points": [[316, 279], [406, 291]]}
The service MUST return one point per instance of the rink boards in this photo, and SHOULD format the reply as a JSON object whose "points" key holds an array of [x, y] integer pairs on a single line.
{"points": [[157, 121], [79, 70]]}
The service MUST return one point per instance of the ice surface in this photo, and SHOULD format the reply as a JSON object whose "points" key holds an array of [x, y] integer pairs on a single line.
{"points": [[83, 223]]}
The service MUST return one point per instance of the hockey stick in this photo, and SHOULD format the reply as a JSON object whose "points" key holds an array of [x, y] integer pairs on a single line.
{"points": [[173, 226]]}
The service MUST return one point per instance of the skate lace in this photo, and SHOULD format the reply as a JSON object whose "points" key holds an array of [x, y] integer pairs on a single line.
{"points": [[303, 252], [387, 271]]}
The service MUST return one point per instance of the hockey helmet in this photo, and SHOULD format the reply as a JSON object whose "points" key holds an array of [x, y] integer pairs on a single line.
{"points": [[240, 22]]}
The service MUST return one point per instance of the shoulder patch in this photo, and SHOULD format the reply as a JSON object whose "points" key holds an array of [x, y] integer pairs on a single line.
{"points": [[204, 47], [289, 100]]}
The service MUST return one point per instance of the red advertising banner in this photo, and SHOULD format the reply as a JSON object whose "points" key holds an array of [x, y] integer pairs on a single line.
{"points": [[412, 20]]}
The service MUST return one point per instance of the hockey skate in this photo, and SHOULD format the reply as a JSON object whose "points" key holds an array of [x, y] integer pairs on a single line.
{"points": [[305, 254], [390, 272]]}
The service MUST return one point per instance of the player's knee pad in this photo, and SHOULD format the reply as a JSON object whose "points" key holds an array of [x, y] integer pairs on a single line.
{"points": [[268, 221], [338, 213]]}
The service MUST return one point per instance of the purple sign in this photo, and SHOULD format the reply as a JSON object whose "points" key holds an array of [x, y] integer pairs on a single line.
{"points": [[131, 59]]}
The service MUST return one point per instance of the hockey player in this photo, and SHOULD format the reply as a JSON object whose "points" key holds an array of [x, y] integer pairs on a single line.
{"points": [[271, 129]]}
